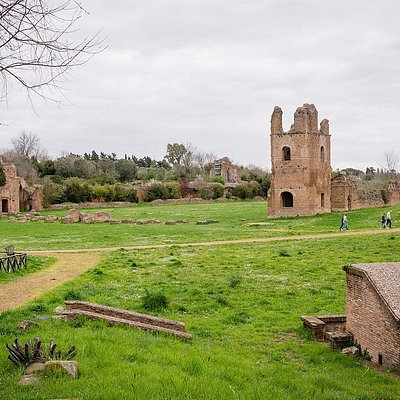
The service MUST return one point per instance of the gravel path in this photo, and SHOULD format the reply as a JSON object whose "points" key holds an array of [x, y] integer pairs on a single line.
{"points": [[72, 263]]}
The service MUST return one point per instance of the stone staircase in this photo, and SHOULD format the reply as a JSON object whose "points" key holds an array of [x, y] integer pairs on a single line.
{"points": [[124, 317]]}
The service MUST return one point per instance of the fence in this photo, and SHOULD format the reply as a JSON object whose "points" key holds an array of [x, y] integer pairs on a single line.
{"points": [[12, 262]]}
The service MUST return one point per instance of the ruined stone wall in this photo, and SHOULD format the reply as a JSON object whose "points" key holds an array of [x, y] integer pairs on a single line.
{"points": [[300, 164], [225, 169], [344, 194], [370, 321], [15, 195]]}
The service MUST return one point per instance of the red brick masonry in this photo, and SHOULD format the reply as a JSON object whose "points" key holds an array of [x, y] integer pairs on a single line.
{"points": [[373, 310], [125, 317]]}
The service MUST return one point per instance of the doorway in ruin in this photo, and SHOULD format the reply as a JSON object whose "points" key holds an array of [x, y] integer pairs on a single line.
{"points": [[349, 203], [286, 199], [4, 205]]}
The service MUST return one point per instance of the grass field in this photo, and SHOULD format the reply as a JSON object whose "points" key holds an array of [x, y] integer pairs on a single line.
{"points": [[236, 220], [242, 303]]}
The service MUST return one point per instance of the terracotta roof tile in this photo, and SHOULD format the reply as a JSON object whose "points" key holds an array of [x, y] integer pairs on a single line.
{"points": [[385, 277]]}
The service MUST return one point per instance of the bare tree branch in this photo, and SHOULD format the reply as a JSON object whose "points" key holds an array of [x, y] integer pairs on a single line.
{"points": [[38, 45]]}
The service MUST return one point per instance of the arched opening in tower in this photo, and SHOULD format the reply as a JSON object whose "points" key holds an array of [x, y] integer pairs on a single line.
{"points": [[286, 199], [322, 153], [286, 153]]}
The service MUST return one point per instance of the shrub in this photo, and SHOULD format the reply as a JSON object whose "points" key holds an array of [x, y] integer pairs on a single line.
{"points": [[125, 193], [173, 189], [156, 191], [385, 193], [72, 295], [218, 179], [77, 190], [241, 191], [154, 301], [217, 189], [284, 253], [103, 193], [2, 176], [52, 192]]}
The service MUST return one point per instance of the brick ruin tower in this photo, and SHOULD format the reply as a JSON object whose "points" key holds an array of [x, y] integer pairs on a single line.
{"points": [[301, 165]]}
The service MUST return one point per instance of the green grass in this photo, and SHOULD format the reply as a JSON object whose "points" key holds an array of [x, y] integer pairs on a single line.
{"points": [[236, 220], [242, 303], [34, 264]]}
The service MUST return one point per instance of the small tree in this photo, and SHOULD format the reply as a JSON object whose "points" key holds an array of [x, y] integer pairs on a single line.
{"points": [[2, 176]]}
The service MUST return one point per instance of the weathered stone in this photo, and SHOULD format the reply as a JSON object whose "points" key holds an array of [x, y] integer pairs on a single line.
{"points": [[101, 216], [27, 380], [350, 350], [73, 216], [59, 310], [24, 325], [68, 367], [35, 367]]}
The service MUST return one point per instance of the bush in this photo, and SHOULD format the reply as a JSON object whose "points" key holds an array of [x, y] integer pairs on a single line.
{"points": [[248, 190], [173, 189], [156, 191], [125, 193], [77, 190], [52, 192], [217, 189], [154, 301], [72, 295], [103, 193], [218, 179], [2, 176]]}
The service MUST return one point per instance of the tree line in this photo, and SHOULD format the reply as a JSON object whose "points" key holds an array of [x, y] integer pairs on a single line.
{"points": [[103, 176]]}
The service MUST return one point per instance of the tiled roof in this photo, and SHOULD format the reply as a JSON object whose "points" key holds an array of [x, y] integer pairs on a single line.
{"points": [[385, 278]]}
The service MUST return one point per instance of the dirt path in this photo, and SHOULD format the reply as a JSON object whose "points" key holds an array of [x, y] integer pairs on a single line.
{"points": [[72, 263], [219, 242], [27, 288]]}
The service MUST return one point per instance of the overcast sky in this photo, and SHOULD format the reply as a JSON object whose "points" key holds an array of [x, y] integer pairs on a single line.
{"points": [[210, 72]]}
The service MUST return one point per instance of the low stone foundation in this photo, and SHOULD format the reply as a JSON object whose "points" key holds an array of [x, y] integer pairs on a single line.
{"points": [[124, 317]]}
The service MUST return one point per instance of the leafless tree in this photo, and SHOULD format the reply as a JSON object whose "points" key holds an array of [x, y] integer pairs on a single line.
{"points": [[38, 45], [392, 161], [26, 144], [203, 159]]}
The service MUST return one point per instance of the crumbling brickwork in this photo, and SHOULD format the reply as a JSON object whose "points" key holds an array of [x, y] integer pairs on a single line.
{"points": [[225, 169], [373, 312], [301, 165], [15, 195]]}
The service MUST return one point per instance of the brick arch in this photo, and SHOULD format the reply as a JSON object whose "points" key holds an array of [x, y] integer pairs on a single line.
{"points": [[287, 200], [286, 153]]}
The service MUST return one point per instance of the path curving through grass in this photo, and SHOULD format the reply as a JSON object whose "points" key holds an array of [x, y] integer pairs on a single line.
{"points": [[27, 288], [72, 263]]}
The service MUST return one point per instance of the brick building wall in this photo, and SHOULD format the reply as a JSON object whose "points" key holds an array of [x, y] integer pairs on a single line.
{"points": [[370, 320], [15, 195], [301, 165]]}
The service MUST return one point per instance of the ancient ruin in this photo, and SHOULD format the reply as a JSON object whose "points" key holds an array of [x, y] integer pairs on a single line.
{"points": [[301, 165], [302, 182], [15, 195], [225, 169]]}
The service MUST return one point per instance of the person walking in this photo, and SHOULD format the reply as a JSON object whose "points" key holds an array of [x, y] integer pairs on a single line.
{"points": [[389, 219], [383, 221], [344, 224]]}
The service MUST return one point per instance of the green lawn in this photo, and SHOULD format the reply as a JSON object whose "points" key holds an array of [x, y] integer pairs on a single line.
{"points": [[236, 220], [34, 264], [242, 303]]}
